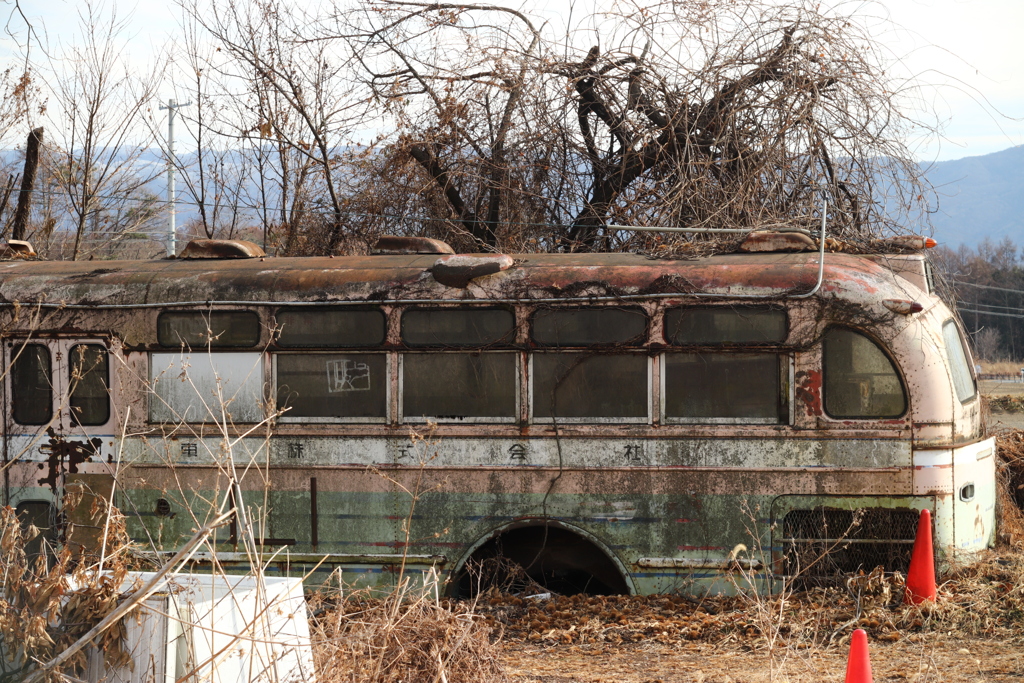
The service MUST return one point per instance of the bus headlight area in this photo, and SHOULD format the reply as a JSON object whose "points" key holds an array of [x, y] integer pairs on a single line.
{"points": [[599, 423]]}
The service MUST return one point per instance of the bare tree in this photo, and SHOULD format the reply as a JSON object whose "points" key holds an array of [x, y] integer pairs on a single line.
{"points": [[694, 114], [296, 109], [97, 122]]}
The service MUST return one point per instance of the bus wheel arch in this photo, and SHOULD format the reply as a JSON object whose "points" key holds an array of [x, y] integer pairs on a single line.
{"points": [[559, 556]]}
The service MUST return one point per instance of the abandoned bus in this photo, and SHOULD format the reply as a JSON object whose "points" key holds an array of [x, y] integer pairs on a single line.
{"points": [[611, 423]]}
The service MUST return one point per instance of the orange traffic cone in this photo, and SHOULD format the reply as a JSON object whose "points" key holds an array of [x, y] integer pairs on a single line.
{"points": [[921, 575], [858, 666]]}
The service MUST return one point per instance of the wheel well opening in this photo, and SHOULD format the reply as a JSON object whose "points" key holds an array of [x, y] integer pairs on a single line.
{"points": [[540, 558]]}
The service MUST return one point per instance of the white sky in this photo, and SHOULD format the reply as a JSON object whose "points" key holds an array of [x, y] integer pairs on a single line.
{"points": [[969, 47]]}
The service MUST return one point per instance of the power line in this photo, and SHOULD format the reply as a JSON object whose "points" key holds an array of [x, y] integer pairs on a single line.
{"points": [[997, 289], [1003, 315]]}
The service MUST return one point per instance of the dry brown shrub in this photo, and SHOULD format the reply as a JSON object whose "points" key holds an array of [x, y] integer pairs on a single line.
{"points": [[1010, 487], [49, 601], [408, 635]]}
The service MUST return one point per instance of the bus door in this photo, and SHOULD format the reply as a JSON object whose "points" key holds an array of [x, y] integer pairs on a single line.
{"points": [[58, 430]]}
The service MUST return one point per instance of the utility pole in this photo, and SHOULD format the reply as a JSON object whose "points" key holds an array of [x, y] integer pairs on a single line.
{"points": [[171, 108]]}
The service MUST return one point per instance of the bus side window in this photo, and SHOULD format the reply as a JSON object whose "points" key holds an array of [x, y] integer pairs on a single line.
{"points": [[589, 326], [585, 385], [202, 329], [458, 386], [457, 326], [959, 367], [725, 325], [330, 327], [31, 384], [859, 379], [89, 381], [724, 387], [206, 387], [332, 385]]}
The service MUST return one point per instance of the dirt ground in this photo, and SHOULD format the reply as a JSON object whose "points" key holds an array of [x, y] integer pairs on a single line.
{"points": [[923, 659]]}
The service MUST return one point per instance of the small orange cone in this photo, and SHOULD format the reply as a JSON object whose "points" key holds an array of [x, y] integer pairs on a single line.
{"points": [[921, 575], [858, 666]]}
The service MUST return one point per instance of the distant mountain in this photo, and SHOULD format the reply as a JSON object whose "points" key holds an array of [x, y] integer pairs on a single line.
{"points": [[979, 197]]}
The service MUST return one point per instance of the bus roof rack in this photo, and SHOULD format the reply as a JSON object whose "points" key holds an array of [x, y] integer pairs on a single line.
{"points": [[13, 249], [391, 244], [221, 249]]}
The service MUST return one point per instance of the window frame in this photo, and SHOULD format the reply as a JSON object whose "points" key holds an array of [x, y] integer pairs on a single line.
{"points": [[884, 349], [327, 309], [154, 400], [402, 418], [61, 417], [728, 344], [787, 369], [633, 343], [532, 418], [14, 349], [968, 361], [206, 313], [106, 381], [508, 341], [285, 418]]}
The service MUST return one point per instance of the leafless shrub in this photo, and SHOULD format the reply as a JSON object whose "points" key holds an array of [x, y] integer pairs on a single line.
{"points": [[518, 136], [49, 600], [409, 635]]}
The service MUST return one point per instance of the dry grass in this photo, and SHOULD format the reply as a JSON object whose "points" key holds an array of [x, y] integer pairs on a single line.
{"points": [[407, 636], [1001, 367], [48, 602]]}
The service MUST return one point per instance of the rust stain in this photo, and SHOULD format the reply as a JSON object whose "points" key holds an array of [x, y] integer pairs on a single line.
{"points": [[71, 453], [808, 390]]}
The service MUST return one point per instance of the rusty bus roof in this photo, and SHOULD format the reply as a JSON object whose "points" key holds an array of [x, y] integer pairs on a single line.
{"points": [[384, 279]]}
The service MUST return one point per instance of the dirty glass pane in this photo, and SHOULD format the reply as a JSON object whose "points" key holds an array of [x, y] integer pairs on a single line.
{"points": [[199, 329], [959, 367], [733, 386], [588, 326], [206, 387], [89, 382], [860, 380], [745, 325], [31, 385], [457, 326], [455, 386], [332, 385], [330, 327], [582, 385]]}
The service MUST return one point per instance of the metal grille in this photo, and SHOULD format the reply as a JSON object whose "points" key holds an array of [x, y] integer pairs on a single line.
{"points": [[827, 542]]}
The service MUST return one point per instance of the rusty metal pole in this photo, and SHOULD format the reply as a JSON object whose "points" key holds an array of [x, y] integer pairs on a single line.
{"points": [[28, 179]]}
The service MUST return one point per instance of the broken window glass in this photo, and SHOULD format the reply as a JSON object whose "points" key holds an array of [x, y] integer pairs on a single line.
{"points": [[859, 379], [719, 325], [202, 329], [332, 385], [457, 326], [455, 386], [959, 367], [31, 384], [89, 381], [206, 387], [723, 387], [589, 326], [582, 385], [327, 327]]}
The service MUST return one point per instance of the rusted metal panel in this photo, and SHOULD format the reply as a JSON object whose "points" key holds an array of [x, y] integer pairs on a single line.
{"points": [[382, 278]]}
